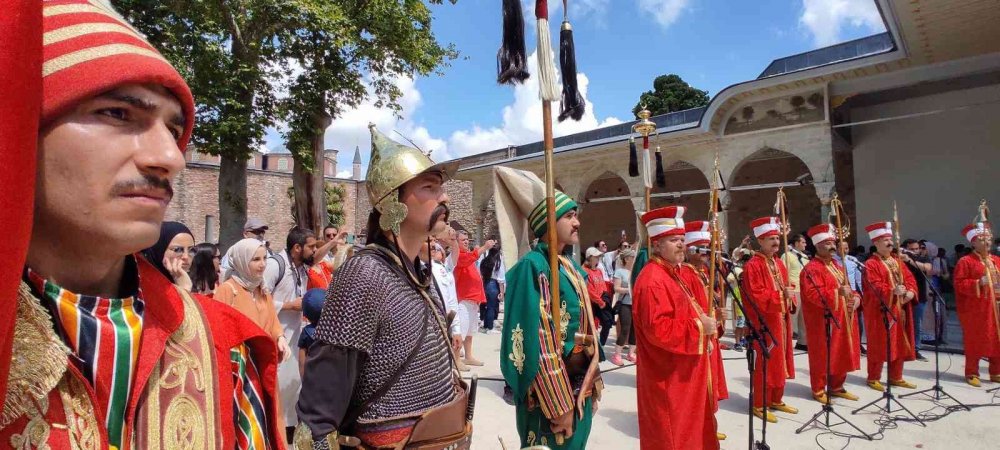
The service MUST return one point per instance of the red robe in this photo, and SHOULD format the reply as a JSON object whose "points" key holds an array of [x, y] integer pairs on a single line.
{"points": [[698, 277], [767, 294], [21, 91], [206, 330], [675, 396], [820, 283], [977, 312], [878, 283]]}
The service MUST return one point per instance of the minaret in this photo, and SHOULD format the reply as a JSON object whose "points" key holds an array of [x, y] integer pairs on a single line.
{"points": [[357, 163]]}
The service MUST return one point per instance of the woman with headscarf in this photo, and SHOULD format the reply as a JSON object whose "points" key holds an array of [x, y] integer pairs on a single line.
{"points": [[242, 289], [172, 253]]}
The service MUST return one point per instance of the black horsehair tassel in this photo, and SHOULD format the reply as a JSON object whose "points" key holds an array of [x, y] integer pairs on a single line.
{"points": [[633, 159], [661, 179], [572, 104], [511, 59]]}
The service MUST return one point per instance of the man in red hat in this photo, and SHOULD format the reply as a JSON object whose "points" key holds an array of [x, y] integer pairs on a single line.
{"points": [[766, 285], [674, 335], [887, 280], [977, 293], [108, 353], [698, 238], [823, 284]]}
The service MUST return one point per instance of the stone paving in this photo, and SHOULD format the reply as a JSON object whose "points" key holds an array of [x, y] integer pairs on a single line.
{"points": [[616, 426]]}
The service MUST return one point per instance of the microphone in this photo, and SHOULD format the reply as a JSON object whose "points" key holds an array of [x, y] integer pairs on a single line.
{"points": [[707, 251]]}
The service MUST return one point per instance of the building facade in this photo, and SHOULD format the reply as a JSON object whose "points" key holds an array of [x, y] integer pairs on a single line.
{"points": [[907, 115]]}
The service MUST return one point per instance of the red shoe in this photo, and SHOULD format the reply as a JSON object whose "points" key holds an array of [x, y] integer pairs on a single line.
{"points": [[616, 359]]}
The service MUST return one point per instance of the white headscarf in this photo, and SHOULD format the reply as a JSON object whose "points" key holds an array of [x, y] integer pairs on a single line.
{"points": [[240, 255]]}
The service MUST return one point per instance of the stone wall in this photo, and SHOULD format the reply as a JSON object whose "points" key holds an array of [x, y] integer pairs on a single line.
{"points": [[937, 167], [196, 202]]}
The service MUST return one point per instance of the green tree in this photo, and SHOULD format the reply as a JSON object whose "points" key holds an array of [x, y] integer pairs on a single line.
{"points": [[337, 44], [228, 53], [334, 206], [670, 93]]}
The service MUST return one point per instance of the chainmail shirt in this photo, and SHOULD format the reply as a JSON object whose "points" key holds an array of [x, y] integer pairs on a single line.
{"points": [[373, 307]]}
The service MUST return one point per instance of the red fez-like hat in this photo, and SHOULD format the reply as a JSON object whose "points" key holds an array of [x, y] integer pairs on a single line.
{"points": [[821, 233], [667, 221], [975, 230], [879, 230], [88, 49], [697, 234], [766, 226]]}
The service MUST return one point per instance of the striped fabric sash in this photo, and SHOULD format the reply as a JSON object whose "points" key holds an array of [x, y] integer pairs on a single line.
{"points": [[104, 334], [248, 404]]}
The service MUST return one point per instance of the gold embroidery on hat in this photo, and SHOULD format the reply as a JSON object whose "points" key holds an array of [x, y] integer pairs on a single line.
{"points": [[83, 29], [88, 54]]}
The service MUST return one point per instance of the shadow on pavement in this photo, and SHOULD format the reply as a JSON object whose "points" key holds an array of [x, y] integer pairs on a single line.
{"points": [[626, 422]]}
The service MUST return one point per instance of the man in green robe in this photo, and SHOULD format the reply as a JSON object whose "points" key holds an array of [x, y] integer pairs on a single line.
{"points": [[547, 365]]}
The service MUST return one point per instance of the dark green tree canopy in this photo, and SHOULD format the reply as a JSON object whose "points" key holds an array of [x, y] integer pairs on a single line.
{"points": [[670, 93]]}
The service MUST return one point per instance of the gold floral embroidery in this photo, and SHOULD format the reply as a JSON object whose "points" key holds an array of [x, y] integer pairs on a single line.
{"points": [[38, 358], [184, 428], [545, 441], [563, 321], [35, 434], [531, 438], [81, 419], [517, 354], [183, 381]]}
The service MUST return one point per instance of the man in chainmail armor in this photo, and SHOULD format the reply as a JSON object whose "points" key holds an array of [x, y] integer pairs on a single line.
{"points": [[381, 373]]}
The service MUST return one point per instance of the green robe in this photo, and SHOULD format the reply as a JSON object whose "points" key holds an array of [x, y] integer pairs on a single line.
{"points": [[641, 259], [521, 350]]}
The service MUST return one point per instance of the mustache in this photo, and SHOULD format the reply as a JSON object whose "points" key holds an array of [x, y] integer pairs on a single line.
{"points": [[441, 210], [148, 181]]}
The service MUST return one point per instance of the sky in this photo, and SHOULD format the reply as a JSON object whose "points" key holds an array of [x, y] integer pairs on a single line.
{"points": [[621, 46]]}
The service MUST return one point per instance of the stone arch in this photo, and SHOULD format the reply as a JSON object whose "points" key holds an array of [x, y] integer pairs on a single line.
{"points": [[606, 210], [686, 185], [753, 187]]}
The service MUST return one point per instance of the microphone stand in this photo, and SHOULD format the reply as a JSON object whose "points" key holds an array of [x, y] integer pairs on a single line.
{"points": [[937, 303], [758, 335], [829, 321], [887, 316]]}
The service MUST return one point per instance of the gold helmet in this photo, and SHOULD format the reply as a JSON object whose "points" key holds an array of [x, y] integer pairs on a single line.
{"points": [[393, 164]]}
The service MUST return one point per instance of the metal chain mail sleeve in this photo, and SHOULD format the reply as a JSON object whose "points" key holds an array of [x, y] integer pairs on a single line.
{"points": [[372, 308]]}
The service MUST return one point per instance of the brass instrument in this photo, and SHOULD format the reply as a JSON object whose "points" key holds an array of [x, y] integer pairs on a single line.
{"points": [[715, 245], [842, 232], [780, 207]]}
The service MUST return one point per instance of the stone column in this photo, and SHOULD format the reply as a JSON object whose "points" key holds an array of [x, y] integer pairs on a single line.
{"points": [[825, 192], [726, 200]]}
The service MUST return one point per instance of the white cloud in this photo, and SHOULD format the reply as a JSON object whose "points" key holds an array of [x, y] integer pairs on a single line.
{"points": [[351, 128], [665, 12], [522, 123], [344, 173], [824, 19], [522, 120]]}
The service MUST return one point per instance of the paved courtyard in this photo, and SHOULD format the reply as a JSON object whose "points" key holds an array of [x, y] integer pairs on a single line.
{"points": [[616, 426]]}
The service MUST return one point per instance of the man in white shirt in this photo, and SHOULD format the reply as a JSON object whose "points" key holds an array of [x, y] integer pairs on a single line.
{"points": [[446, 282], [286, 277]]}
